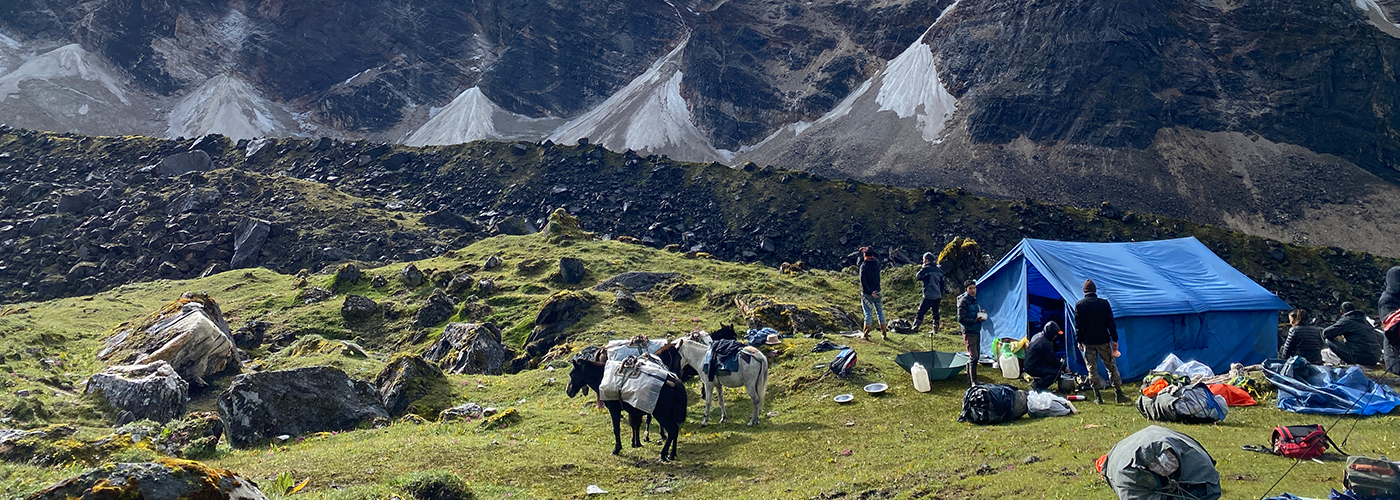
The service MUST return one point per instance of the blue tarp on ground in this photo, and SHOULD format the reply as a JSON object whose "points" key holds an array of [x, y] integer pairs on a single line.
{"points": [[1170, 296], [1308, 388]]}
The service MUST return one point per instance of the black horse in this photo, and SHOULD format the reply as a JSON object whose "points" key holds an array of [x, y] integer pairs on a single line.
{"points": [[725, 332], [670, 410]]}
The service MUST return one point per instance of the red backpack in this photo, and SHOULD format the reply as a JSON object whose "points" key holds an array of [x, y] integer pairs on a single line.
{"points": [[1302, 441]]}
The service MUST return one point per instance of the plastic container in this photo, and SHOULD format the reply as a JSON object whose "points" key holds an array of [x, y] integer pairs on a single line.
{"points": [[921, 382], [1075, 397], [1010, 366]]}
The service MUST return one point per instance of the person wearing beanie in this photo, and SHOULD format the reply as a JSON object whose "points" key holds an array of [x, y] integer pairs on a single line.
{"points": [[1097, 334], [971, 323], [871, 302], [932, 277], [1042, 364], [1352, 339]]}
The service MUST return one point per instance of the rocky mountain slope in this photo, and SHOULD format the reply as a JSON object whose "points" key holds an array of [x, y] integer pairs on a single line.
{"points": [[85, 214], [1273, 118]]}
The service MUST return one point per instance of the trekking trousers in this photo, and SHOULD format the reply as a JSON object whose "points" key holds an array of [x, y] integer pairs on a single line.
{"points": [[924, 307], [1092, 355], [867, 304]]}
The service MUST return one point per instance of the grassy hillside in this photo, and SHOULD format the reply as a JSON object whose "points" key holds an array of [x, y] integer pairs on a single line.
{"points": [[901, 445]]}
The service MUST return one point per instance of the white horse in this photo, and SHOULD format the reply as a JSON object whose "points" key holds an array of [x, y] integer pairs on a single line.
{"points": [[752, 374]]}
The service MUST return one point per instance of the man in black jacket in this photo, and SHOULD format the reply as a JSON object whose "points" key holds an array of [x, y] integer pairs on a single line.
{"points": [[871, 302], [1042, 363], [1353, 339], [1098, 337], [1303, 340], [970, 318], [932, 277]]}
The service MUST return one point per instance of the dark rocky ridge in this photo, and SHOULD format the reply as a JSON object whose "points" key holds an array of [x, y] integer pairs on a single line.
{"points": [[331, 201]]}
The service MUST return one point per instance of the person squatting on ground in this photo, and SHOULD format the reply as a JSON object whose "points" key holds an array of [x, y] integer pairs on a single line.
{"points": [[871, 302], [1303, 340], [1353, 339], [1042, 364], [932, 277], [1098, 338], [971, 322]]}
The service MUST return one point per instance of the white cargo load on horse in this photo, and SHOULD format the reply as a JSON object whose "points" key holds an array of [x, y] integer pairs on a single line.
{"points": [[634, 380]]}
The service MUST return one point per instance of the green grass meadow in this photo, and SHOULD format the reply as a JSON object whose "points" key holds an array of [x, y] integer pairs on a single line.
{"points": [[903, 444]]}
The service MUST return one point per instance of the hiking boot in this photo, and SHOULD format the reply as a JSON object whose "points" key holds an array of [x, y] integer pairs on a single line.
{"points": [[1118, 391], [1098, 398]]}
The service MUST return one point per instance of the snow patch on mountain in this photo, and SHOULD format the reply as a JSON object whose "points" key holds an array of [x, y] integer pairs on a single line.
{"points": [[648, 115], [1378, 17], [227, 105], [60, 67], [473, 117], [911, 87]]}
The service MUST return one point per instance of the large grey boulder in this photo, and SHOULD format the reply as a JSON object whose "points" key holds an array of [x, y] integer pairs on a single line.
{"points": [[160, 480], [469, 349], [249, 237], [182, 163], [571, 270], [195, 200], [150, 392], [260, 406], [636, 281], [190, 334], [437, 309]]}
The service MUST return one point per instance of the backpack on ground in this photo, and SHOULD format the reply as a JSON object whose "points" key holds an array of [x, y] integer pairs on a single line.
{"points": [[1303, 442], [1369, 478], [845, 360]]}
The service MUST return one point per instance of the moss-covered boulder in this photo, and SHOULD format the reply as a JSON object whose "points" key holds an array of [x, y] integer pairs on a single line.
{"points": [[761, 311], [961, 260], [562, 226], [559, 312], [409, 381], [162, 479], [189, 333], [316, 345], [58, 445]]}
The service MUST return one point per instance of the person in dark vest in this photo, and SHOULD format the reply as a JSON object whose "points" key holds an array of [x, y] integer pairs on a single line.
{"points": [[1388, 304], [932, 277], [1098, 337], [970, 319], [1042, 364], [1303, 340], [1353, 339], [871, 302]]}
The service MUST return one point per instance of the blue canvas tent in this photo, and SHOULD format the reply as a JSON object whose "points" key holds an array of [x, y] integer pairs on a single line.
{"points": [[1170, 296]]}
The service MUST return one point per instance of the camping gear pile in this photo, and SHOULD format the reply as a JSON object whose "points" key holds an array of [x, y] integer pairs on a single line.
{"points": [[1307, 388], [988, 404], [635, 380], [1157, 463], [1186, 403]]}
